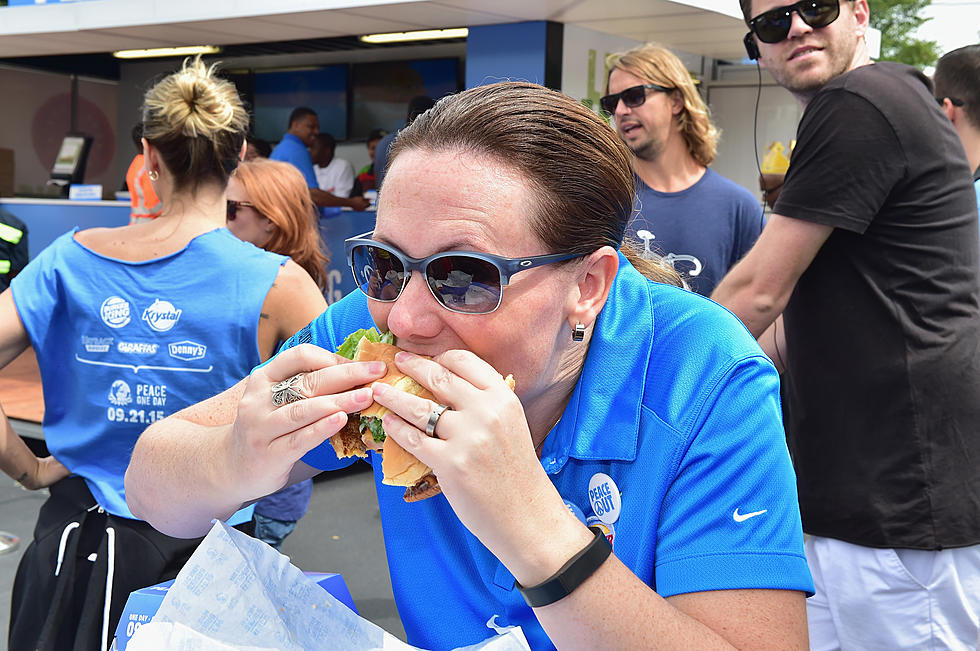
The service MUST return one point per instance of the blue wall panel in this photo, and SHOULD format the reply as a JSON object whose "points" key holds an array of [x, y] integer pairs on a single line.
{"points": [[513, 52]]}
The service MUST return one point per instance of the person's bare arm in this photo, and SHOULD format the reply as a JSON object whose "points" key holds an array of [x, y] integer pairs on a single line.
{"points": [[757, 288], [324, 198], [773, 344], [293, 301], [16, 458], [717, 619], [210, 459]]}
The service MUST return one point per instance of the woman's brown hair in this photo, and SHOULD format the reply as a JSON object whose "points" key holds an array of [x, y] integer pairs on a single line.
{"points": [[278, 191], [198, 123], [579, 168]]}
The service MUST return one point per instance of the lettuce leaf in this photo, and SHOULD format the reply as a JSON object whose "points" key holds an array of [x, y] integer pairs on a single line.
{"points": [[374, 424], [349, 346]]}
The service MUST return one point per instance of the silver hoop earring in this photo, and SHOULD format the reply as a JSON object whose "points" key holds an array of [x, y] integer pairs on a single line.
{"points": [[578, 333], [154, 175]]}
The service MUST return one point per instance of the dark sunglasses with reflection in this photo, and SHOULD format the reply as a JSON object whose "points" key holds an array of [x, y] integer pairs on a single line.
{"points": [[632, 97], [232, 206], [773, 26], [467, 282]]}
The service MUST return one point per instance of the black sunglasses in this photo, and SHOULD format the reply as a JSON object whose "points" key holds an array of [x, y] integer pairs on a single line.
{"points": [[952, 100], [773, 26], [232, 206], [632, 97], [462, 281]]}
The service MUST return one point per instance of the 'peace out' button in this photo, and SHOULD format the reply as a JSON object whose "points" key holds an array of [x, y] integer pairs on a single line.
{"points": [[605, 498]]}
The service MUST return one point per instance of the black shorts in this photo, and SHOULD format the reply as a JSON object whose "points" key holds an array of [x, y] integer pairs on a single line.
{"points": [[62, 596]]}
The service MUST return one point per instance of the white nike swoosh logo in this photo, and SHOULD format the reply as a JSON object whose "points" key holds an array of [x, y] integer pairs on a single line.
{"points": [[742, 517]]}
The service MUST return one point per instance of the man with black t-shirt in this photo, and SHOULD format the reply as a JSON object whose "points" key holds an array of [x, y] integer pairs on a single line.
{"points": [[871, 256]]}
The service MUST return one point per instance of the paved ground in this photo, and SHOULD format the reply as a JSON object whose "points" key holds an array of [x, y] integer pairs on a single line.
{"points": [[340, 533]]}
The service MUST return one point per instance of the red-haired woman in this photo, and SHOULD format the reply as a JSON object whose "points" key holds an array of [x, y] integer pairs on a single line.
{"points": [[269, 205]]}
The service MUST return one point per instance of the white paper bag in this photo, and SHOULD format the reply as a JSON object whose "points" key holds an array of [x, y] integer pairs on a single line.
{"points": [[236, 592]]}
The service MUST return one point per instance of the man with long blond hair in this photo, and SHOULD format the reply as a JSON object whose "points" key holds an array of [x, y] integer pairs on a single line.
{"points": [[700, 221]]}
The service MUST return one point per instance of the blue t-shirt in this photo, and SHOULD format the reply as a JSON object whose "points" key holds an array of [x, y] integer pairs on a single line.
{"points": [[679, 406], [293, 150], [123, 344], [703, 230]]}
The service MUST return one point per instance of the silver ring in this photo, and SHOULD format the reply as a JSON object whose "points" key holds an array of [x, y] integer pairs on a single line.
{"points": [[430, 427], [287, 391]]}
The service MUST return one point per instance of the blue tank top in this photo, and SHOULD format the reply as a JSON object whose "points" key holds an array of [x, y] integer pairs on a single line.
{"points": [[123, 344]]}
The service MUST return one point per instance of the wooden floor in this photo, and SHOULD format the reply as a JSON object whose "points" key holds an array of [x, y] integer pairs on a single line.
{"points": [[20, 388]]}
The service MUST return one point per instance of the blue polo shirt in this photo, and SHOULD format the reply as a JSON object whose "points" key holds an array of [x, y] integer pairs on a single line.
{"points": [[293, 150], [677, 405]]}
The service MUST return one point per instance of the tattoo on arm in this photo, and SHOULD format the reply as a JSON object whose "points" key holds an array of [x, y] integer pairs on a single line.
{"points": [[263, 315], [20, 480]]}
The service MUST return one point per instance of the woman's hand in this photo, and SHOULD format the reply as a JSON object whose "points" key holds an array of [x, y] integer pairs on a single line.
{"points": [[266, 441], [48, 471], [482, 454]]}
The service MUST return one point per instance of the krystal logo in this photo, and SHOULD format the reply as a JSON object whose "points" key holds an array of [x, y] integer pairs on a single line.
{"points": [[161, 316]]}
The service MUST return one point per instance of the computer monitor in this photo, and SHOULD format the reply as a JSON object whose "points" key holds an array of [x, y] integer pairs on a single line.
{"points": [[69, 165]]}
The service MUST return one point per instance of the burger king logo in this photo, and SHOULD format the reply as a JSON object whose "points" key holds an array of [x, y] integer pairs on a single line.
{"points": [[115, 312]]}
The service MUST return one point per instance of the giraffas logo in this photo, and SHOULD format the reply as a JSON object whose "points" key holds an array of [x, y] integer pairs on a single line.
{"points": [[137, 348], [161, 316], [115, 312]]}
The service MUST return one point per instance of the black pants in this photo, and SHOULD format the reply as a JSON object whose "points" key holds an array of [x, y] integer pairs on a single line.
{"points": [[68, 610]]}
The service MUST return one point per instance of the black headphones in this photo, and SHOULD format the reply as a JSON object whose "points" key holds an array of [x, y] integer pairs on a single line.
{"points": [[751, 47]]}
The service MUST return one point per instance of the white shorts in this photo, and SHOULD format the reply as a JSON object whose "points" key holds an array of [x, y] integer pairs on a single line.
{"points": [[869, 598]]}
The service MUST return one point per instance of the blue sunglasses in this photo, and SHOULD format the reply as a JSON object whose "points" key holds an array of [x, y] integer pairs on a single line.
{"points": [[462, 281]]}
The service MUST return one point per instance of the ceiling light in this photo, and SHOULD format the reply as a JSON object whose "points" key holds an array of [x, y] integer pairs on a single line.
{"points": [[421, 35], [166, 52]]}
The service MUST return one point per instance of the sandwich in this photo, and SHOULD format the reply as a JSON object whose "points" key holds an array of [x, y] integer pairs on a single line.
{"points": [[364, 431]]}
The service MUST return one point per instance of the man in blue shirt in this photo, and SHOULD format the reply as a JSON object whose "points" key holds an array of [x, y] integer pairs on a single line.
{"points": [[700, 221], [304, 126]]}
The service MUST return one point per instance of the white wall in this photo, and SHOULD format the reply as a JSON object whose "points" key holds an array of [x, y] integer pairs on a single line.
{"points": [[733, 107], [37, 115], [583, 65]]}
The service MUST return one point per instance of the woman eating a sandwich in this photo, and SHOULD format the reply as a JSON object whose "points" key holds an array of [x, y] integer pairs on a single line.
{"points": [[633, 489]]}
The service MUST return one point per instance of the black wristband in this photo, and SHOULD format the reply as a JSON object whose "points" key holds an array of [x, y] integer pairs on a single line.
{"points": [[571, 575]]}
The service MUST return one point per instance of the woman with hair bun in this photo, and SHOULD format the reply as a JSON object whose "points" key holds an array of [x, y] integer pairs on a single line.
{"points": [[132, 324], [269, 205]]}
